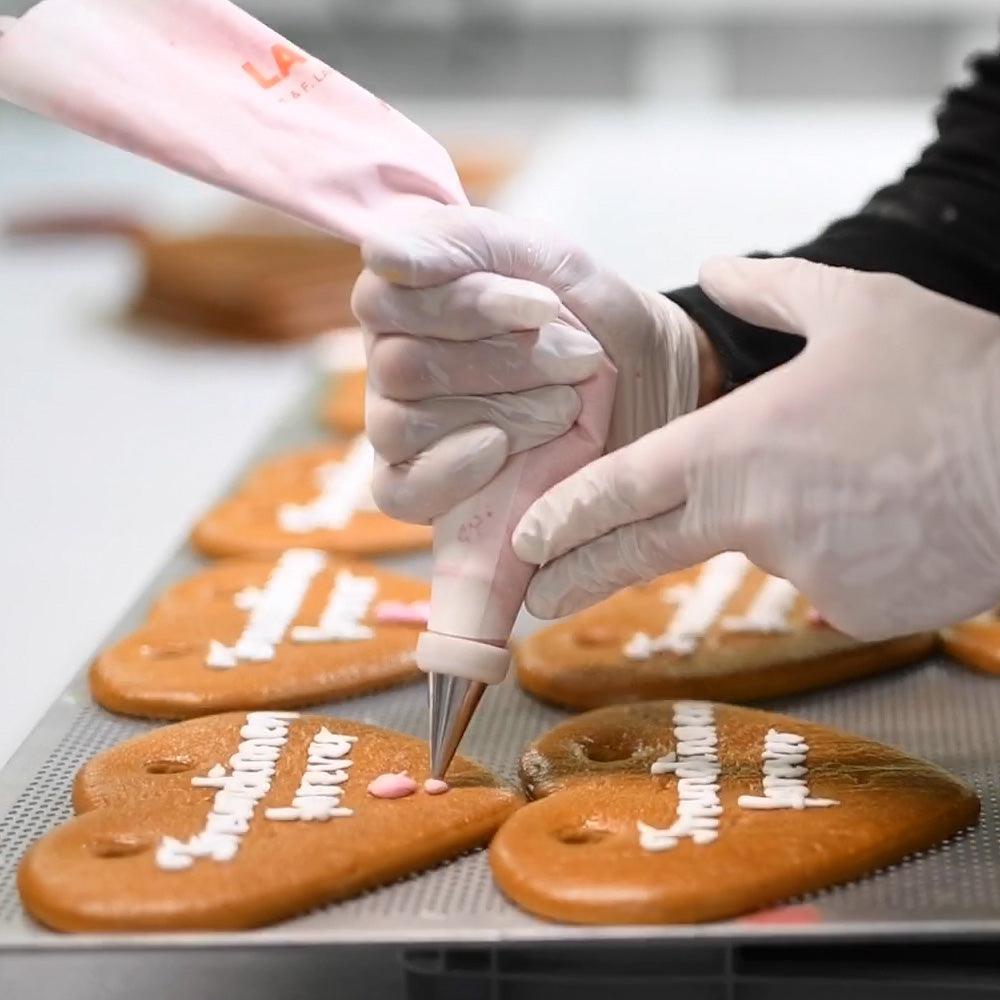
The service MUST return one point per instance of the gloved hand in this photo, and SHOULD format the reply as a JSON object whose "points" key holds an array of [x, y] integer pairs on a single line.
{"points": [[866, 470], [478, 326]]}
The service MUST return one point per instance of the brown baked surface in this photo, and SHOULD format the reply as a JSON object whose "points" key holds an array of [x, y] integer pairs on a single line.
{"points": [[247, 523], [574, 854], [343, 406], [97, 872], [975, 642], [159, 670], [579, 662]]}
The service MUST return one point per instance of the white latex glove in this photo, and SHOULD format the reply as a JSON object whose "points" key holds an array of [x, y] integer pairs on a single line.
{"points": [[866, 470], [476, 327]]}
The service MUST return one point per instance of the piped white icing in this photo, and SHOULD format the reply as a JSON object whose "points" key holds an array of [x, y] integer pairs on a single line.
{"points": [[769, 611], [695, 762], [785, 776], [322, 783], [238, 792], [345, 488], [698, 607], [340, 620], [272, 609]]}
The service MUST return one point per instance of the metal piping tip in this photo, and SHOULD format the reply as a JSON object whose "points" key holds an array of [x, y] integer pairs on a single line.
{"points": [[453, 700]]}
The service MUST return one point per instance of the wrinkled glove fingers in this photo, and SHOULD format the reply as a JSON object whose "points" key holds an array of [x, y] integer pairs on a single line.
{"points": [[412, 368], [469, 308], [399, 431], [440, 477], [633, 553]]}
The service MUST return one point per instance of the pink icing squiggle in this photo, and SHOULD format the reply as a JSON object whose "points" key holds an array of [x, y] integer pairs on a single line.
{"points": [[403, 612], [435, 786], [392, 786], [816, 619]]}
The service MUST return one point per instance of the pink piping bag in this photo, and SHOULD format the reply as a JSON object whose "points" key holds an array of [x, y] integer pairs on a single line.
{"points": [[204, 88]]}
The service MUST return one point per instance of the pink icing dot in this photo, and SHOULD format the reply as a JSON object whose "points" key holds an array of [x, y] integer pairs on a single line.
{"points": [[435, 786], [392, 786], [403, 613]]}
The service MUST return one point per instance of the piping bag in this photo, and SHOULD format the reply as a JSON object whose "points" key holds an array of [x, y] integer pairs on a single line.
{"points": [[203, 87]]}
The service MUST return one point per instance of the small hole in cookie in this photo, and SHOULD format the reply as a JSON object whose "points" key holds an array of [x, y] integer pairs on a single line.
{"points": [[580, 836], [119, 845], [169, 765], [168, 650], [597, 635], [608, 751]]}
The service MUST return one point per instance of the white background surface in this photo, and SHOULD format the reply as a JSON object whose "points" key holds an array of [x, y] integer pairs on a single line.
{"points": [[112, 442]]}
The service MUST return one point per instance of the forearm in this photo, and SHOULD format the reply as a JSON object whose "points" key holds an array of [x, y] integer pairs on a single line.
{"points": [[939, 225]]}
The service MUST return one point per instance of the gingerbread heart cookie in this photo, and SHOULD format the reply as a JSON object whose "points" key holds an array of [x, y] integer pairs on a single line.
{"points": [[303, 628], [319, 498], [343, 407], [342, 356], [724, 629], [975, 642], [239, 820], [688, 811]]}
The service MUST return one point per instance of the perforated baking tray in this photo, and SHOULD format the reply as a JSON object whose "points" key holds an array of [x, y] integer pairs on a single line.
{"points": [[936, 710]]}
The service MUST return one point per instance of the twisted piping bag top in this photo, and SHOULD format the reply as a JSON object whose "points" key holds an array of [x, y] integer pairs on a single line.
{"points": [[204, 88]]}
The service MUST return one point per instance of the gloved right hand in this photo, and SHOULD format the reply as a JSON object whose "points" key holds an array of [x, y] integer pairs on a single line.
{"points": [[478, 326], [866, 470]]}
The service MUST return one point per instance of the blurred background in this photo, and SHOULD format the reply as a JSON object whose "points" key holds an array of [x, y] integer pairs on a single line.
{"points": [[151, 329]]}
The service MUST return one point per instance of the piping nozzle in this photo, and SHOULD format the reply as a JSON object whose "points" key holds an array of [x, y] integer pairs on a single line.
{"points": [[458, 672]]}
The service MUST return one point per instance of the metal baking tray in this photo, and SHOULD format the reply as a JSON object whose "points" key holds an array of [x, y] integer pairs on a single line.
{"points": [[457, 936]]}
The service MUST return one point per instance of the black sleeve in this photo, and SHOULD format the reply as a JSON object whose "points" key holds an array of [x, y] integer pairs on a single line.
{"points": [[939, 225]]}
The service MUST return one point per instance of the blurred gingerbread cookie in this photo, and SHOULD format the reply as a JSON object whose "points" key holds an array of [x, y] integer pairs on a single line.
{"points": [[238, 820], [342, 358], [975, 642], [688, 811], [318, 498], [300, 629], [724, 629]]}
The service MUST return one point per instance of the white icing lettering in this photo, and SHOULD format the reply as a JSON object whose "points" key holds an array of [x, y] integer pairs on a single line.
{"points": [[272, 610], [785, 776], [345, 488], [697, 609], [237, 795], [320, 787], [696, 765], [769, 611], [348, 603]]}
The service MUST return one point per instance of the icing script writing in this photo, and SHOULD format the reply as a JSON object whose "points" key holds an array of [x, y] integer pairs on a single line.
{"points": [[344, 489], [785, 776], [239, 789], [322, 783], [273, 608], [695, 762], [700, 605]]}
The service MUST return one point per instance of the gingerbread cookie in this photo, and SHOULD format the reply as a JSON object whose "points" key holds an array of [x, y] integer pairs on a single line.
{"points": [[342, 356], [318, 499], [239, 820], [303, 628], [723, 629], [681, 812], [975, 642], [343, 407]]}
